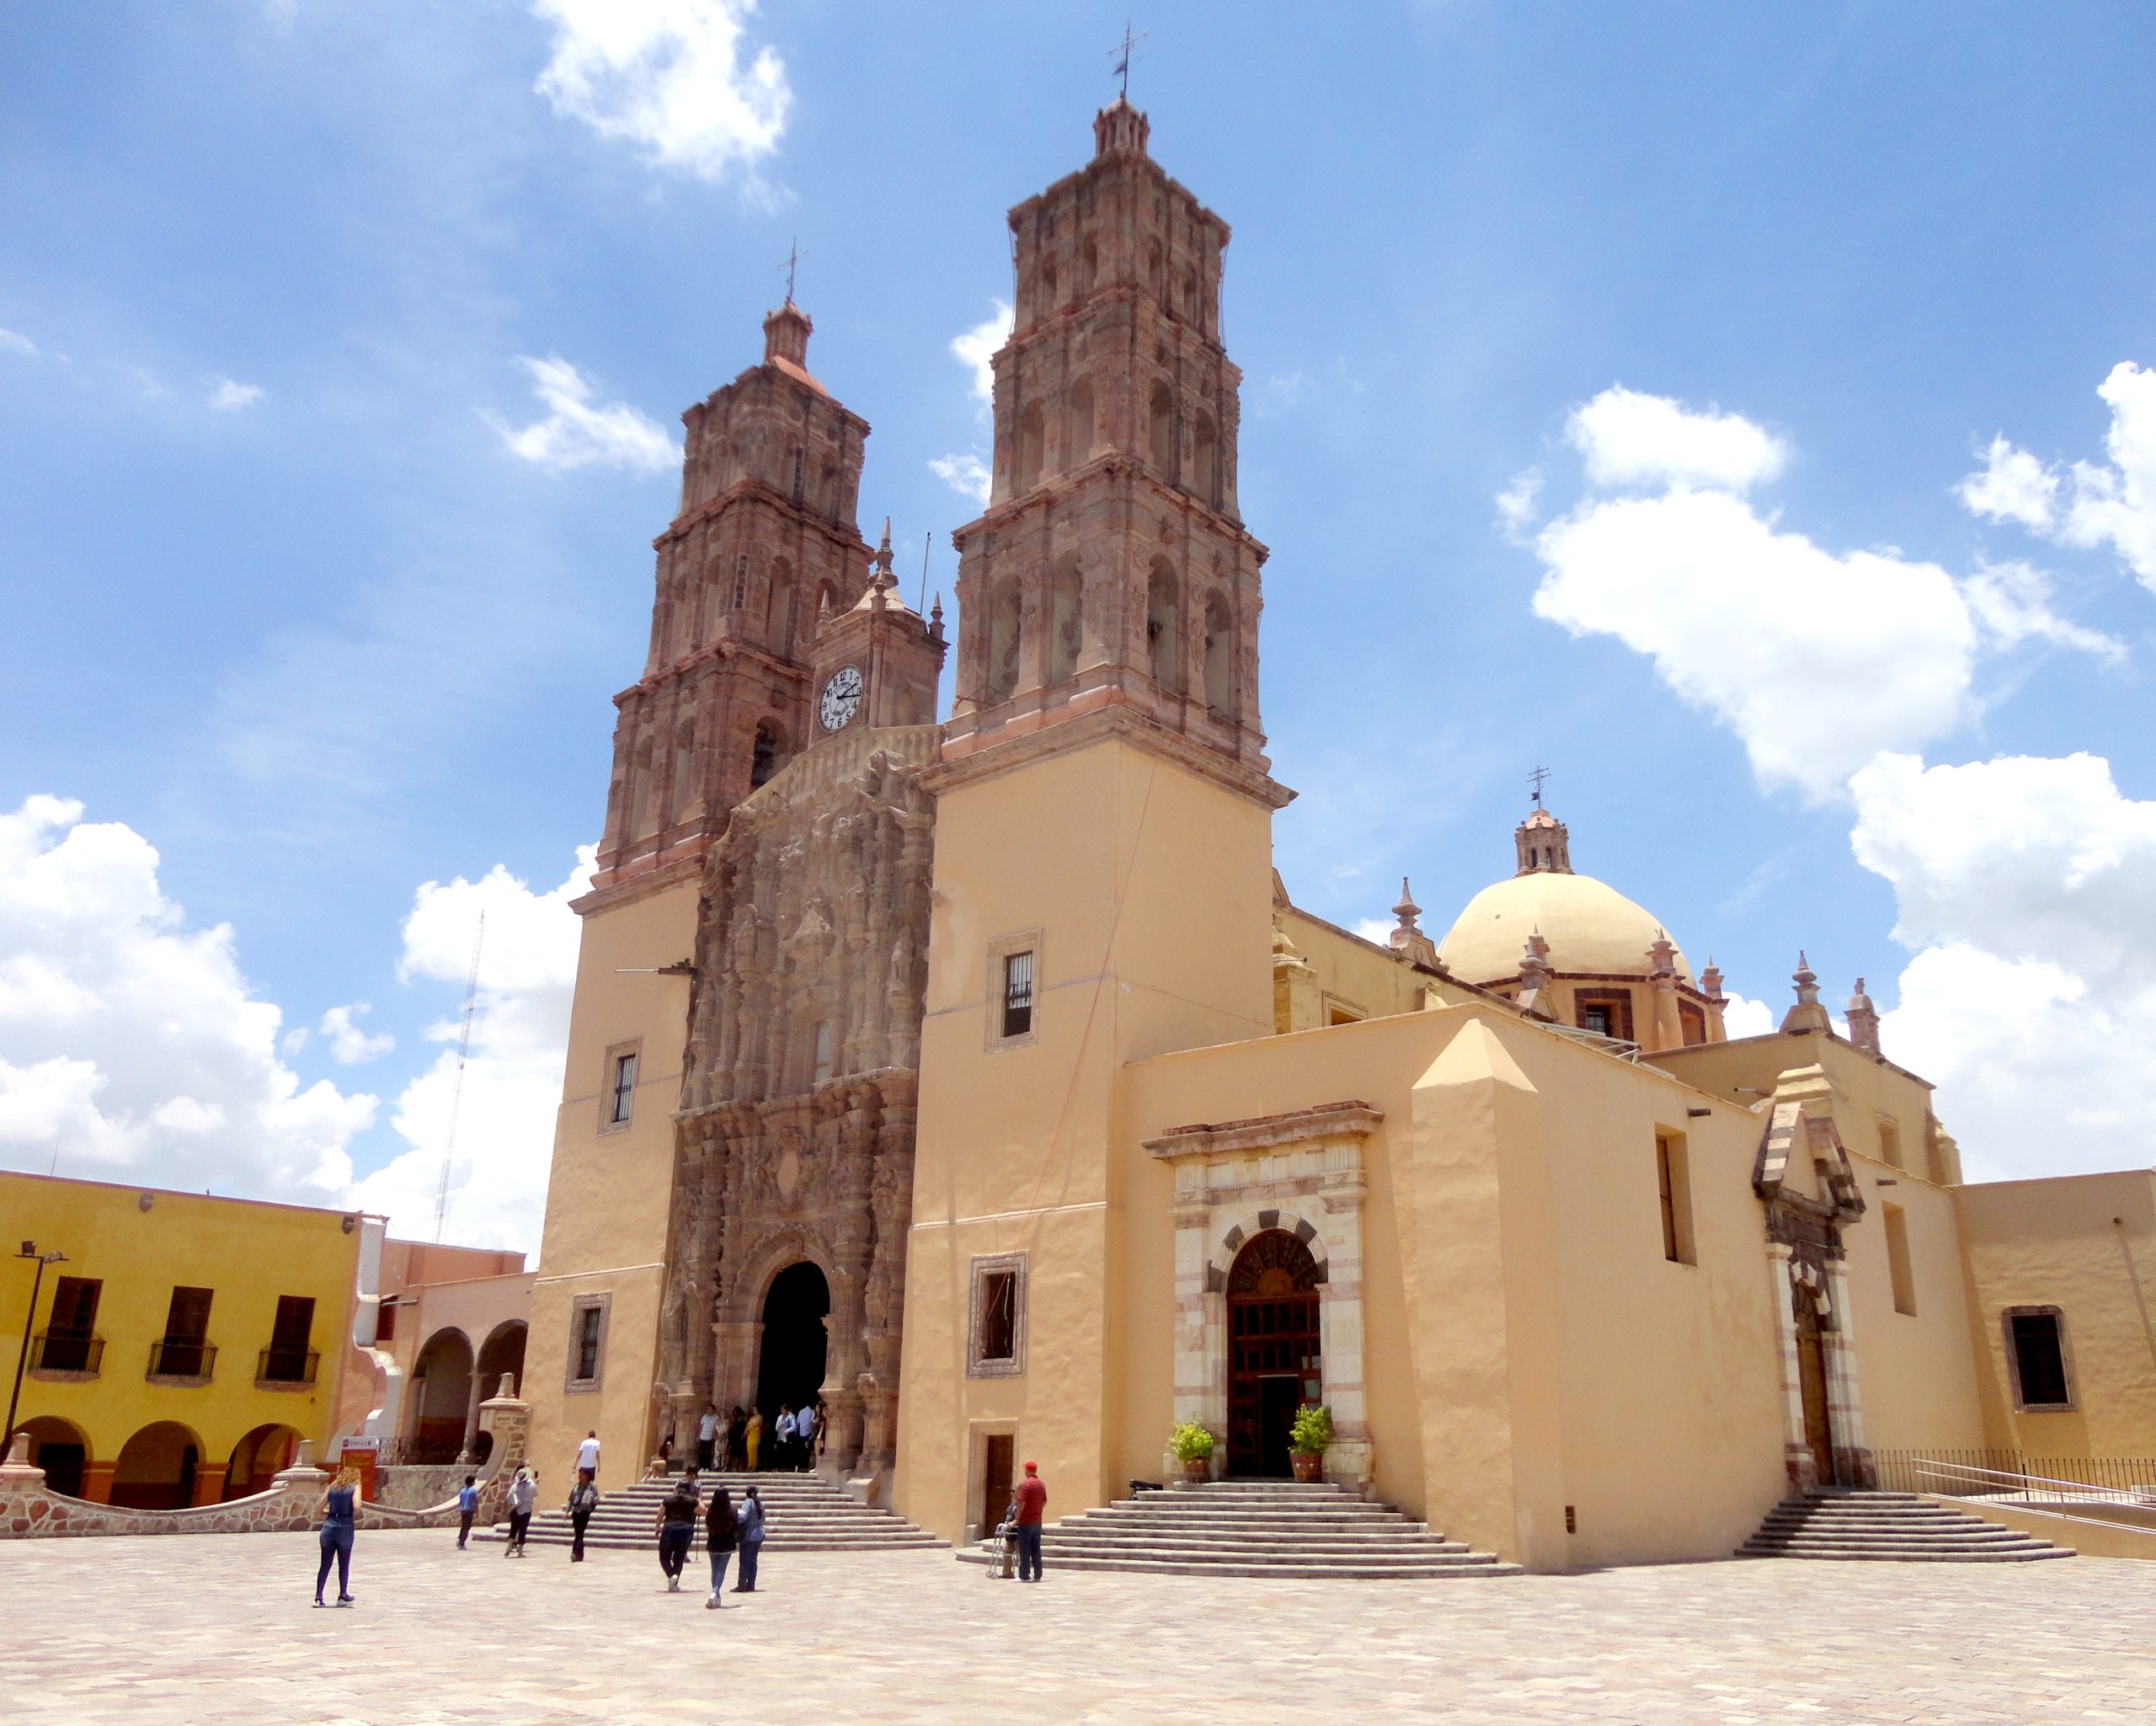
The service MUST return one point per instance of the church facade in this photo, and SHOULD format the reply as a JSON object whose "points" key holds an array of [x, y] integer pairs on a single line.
{"points": [[981, 1076]]}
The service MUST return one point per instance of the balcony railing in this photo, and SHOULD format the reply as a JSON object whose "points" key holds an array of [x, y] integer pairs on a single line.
{"points": [[183, 1357], [287, 1366], [66, 1351]]}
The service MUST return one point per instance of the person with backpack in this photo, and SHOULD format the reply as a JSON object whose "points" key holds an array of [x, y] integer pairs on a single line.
{"points": [[722, 1534], [752, 1541], [584, 1499], [677, 1525], [523, 1499], [467, 1507]]}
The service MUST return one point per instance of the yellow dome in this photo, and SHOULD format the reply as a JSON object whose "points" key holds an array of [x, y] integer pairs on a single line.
{"points": [[1589, 925]]}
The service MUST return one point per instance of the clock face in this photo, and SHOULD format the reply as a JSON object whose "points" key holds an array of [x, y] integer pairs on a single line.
{"points": [[841, 698]]}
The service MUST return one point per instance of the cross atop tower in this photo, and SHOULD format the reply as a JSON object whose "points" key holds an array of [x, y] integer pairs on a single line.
{"points": [[1534, 780], [793, 265], [1122, 50]]}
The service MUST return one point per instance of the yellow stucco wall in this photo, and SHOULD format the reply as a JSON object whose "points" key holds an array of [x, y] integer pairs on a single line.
{"points": [[2056, 1243], [247, 1254], [610, 1193]]}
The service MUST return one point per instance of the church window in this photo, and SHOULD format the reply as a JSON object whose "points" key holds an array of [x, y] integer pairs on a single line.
{"points": [[1049, 297], [1190, 293], [822, 1043], [1673, 1179], [1031, 454], [995, 1329], [621, 1087], [1163, 626], [797, 475], [1606, 1013], [1078, 424], [764, 756], [1897, 1259], [1890, 1142], [1066, 621], [1156, 272], [778, 609], [1219, 656], [740, 581], [587, 1351], [2036, 1357], [1206, 454], [1161, 408], [1089, 266], [1017, 994], [1692, 1023], [1005, 619]]}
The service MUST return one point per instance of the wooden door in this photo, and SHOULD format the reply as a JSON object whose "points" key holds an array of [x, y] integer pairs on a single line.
{"points": [[1274, 1351], [1812, 1379], [996, 1470]]}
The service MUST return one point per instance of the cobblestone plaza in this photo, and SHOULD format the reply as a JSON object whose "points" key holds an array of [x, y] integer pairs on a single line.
{"points": [[219, 1627]]}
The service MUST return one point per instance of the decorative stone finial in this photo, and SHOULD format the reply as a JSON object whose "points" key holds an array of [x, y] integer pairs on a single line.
{"points": [[1661, 956], [1119, 129], [1535, 994], [786, 335], [1807, 1015], [1711, 980], [1408, 940], [1864, 1020]]}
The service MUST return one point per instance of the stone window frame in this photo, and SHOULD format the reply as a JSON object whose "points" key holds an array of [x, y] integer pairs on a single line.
{"points": [[1000, 948], [984, 1266], [615, 1051], [2007, 1315], [603, 1304], [1338, 1010]]}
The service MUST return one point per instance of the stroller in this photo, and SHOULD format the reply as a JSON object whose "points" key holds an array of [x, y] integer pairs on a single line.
{"points": [[1003, 1554]]}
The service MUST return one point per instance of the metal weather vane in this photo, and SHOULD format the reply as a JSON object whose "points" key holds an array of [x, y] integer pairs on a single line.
{"points": [[1121, 51]]}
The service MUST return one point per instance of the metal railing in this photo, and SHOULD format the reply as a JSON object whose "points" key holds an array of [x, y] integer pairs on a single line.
{"points": [[287, 1366], [1922, 1471], [183, 1357], [66, 1351]]}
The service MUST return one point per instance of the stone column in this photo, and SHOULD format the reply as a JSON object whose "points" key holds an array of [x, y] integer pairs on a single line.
{"points": [[1853, 1463], [1340, 1314], [465, 1452], [1201, 1344], [1797, 1461]]}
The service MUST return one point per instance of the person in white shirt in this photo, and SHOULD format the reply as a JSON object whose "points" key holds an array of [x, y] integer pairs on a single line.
{"points": [[587, 1457], [783, 1454], [706, 1434]]}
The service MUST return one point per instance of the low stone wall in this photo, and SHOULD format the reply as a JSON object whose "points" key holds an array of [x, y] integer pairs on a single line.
{"points": [[418, 1486]]}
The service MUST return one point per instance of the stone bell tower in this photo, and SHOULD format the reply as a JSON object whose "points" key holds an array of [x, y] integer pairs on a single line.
{"points": [[1112, 567]]}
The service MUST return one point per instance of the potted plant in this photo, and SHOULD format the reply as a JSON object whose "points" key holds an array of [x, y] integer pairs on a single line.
{"points": [[1193, 1447], [1308, 1439]]}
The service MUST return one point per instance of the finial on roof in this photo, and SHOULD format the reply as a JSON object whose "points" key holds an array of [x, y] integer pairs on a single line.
{"points": [[936, 617], [1408, 940], [1807, 1015], [1864, 1020]]}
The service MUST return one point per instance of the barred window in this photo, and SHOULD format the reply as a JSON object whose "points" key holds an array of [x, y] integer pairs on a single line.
{"points": [[1017, 994]]}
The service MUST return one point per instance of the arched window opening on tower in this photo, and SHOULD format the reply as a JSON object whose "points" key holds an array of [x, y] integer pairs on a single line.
{"points": [[768, 755], [1048, 289], [797, 475], [1003, 630], [1190, 293], [1066, 621], [1089, 266], [684, 791], [1156, 272], [740, 582], [1205, 460], [1161, 426], [1031, 453], [820, 1046], [778, 609], [1164, 625], [1078, 424], [1219, 656]]}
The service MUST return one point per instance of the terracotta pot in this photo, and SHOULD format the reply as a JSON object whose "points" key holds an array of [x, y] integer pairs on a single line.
{"points": [[1198, 1468], [1309, 1464]]}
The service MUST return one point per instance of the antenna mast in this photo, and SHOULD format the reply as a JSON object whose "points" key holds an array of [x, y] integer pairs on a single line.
{"points": [[456, 1095]]}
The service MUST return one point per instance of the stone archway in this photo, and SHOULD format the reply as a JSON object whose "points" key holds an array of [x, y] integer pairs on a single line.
{"points": [[1276, 1356], [61, 1449], [444, 1398], [157, 1468], [256, 1459], [794, 1352]]}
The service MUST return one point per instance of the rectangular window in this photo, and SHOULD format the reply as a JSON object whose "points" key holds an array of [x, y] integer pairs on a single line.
{"points": [[182, 1353], [1673, 1178], [590, 1322], [70, 1344], [385, 1321], [2036, 1347], [1017, 994], [1606, 1013], [1897, 1259], [1890, 1142], [823, 1063], [289, 1359], [740, 581], [621, 1090], [1692, 1021], [996, 1312]]}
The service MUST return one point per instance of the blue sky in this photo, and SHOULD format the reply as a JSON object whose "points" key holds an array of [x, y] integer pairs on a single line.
{"points": [[312, 595]]}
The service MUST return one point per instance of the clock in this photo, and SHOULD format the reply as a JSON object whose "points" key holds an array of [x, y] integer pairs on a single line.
{"points": [[841, 698]]}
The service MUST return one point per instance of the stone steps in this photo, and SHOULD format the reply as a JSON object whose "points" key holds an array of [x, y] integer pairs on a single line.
{"points": [[1890, 1528], [1236, 1528], [804, 1513]]}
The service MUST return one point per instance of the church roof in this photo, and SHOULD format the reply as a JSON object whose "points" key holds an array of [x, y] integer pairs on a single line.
{"points": [[1589, 925]]}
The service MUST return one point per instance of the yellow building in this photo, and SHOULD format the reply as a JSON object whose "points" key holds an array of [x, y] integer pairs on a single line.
{"points": [[182, 1344], [980, 1080]]}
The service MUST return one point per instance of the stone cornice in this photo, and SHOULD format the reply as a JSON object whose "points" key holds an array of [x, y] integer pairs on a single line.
{"points": [[643, 884], [1055, 488], [1117, 723], [1350, 1119], [844, 533]]}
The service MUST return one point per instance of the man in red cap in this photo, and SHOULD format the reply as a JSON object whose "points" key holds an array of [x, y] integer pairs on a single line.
{"points": [[1032, 1499]]}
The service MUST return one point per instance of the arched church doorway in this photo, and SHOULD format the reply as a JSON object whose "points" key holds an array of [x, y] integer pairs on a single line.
{"points": [[791, 1367], [1811, 1381], [1275, 1359]]}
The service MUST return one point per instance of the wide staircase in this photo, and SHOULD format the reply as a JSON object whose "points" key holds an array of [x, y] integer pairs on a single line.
{"points": [[1900, 1527], [802, 1513], [1253, 1528]]}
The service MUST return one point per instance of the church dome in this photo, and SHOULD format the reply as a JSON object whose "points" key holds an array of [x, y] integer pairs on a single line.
{"points": [[1589, 925]]}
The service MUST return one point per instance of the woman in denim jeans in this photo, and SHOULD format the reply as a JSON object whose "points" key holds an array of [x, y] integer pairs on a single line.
{"points": [[339, 1517]]}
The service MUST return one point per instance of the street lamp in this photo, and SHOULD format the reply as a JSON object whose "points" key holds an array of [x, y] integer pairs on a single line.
{"points": [[37, 1283]]}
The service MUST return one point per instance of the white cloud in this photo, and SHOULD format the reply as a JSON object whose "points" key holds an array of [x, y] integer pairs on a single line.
{"points": [[1818, 659], [1375, 929], [1631, 438], [132, 1047], [976, 348], [505, 1121], [2029, 885], [230, 398], [674, 79], [12, 343], [578, 434], [967, 475], [1516, 505], [2094, 503], [1743, 1017], [350, 1045]]}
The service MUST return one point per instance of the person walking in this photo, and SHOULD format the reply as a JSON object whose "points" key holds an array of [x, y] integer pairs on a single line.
{"points": [[587, 1457], [339, 1518], [752, 1438], [737, 1439], [523, 1495], [467, 1507], [707, 1435], [752, 1541], [584, 1499], [1032, 1498], [722, 1534], [676, 1526]]}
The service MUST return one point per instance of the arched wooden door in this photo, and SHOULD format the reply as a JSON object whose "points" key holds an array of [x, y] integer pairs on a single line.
{"points": [[1811, 1381], [1275, 1359]]}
